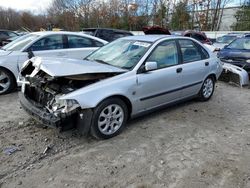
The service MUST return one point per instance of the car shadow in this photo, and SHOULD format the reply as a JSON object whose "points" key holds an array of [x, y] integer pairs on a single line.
{"points": [[160, 111]]}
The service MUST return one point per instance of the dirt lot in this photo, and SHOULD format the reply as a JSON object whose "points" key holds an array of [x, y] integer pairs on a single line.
{"points": [[191, 145]]}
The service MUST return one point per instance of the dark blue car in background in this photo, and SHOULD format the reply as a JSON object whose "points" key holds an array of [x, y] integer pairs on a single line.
{"points": [[237, 53]]}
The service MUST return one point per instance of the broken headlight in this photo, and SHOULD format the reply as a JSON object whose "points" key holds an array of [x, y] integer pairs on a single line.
{"points": [[58, 106]]}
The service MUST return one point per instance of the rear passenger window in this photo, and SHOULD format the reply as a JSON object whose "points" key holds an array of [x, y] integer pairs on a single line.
{"points": [[190, 52], [79, 42], [82, 42], [98, 44]]}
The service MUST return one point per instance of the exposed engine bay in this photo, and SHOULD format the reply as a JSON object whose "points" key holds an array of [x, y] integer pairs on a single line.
{"points": [[45, 91]]}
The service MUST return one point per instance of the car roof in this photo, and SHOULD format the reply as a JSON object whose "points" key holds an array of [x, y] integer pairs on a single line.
{"points": [[45, 33], [149, 38], [116, 30]]}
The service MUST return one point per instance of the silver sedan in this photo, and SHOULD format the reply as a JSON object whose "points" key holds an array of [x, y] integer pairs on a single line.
{"points": [[121, 80]]}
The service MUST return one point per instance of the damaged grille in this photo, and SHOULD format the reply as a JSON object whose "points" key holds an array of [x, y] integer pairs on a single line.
{"points": [[38, 95]]}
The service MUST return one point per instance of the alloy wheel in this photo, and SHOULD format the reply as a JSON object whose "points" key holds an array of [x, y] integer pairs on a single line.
{"points": [[110, 119], [4, 82], [208, 88]]}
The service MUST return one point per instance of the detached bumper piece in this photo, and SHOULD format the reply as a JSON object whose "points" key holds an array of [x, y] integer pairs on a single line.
{"points": [[235, 75], [43, 117]]}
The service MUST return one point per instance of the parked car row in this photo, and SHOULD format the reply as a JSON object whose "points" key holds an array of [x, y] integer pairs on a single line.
{"points": [[77, 80]]}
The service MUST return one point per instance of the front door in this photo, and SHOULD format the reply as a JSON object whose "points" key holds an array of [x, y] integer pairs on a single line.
{"points": [[160, 86]]}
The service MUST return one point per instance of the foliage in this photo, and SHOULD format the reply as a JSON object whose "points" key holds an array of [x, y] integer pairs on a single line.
{"points": [[73, 15], [243, 18], [181, 17]]}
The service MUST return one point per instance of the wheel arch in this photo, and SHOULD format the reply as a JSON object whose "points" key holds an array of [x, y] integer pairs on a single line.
{"points": [[213, 76], [9, 71], [124, 99]]}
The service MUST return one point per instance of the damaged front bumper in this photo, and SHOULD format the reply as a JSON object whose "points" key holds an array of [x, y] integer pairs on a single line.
{"points": [[80, 119], [41, 115]]}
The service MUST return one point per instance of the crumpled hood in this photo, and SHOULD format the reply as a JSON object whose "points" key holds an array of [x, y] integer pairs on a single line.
{"points": [[59, 67], [4, 53]]}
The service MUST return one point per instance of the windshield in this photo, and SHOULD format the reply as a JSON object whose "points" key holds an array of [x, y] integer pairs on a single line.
{"points": [[20, 42], [240, 44], [121, 53], [226, 39]]}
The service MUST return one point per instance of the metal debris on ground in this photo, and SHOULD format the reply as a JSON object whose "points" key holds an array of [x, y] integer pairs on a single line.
{"points": [[10, 150], [46, 150]]}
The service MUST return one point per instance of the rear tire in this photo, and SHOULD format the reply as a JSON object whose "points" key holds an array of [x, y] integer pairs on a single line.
{"points": [[7, 82], [109, 118], [207, 89]]}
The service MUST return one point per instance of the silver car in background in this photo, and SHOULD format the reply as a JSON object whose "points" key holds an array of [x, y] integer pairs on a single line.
{"points": [[121, 80], [43, 44]]}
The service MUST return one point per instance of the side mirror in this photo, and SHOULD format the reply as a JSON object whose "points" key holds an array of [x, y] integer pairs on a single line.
{"points": [[151, 65], [226, 46]]}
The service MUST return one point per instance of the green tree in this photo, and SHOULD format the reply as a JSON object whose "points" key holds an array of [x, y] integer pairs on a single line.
{"points": [[161, 15], [243, 18], [180, 17]]}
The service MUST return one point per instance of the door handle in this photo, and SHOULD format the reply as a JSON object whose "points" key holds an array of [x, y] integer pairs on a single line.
{"points": [[179, 70], [207, 63]]}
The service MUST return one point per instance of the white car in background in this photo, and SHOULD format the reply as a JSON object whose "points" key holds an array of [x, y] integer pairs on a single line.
{"points": [[43, 44]]}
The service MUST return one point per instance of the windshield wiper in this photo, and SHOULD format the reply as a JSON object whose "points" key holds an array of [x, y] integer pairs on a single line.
{"points": [[101, 61]]}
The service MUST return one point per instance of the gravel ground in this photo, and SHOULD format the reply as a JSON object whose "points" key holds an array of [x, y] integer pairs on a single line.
{"points": [[190, 145]]}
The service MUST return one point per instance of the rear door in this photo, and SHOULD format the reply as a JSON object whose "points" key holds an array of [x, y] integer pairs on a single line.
{"points": [[160, 86], [79, 47], [195, 66]]}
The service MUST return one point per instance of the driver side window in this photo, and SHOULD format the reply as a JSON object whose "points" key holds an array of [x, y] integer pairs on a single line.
{"points": [[53, 42], [165, 54]]}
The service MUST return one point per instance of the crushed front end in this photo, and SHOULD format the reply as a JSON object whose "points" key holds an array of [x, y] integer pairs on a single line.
{"points": [[41, 94], [40, 97]]}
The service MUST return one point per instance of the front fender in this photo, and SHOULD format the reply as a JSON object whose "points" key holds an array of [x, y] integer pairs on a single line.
{"points": [[90, 96], [10, 63]]}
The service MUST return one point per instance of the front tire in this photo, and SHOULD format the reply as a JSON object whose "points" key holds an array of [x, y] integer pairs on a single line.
{"points": [[207, 89], [7, 82], [109, 118]]}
